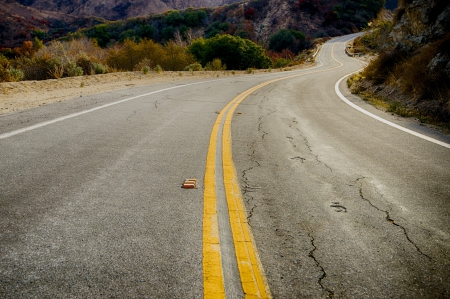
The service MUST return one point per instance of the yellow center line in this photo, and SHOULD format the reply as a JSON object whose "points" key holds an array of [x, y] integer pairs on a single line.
{"points": [[213, 283], [253, 280]]}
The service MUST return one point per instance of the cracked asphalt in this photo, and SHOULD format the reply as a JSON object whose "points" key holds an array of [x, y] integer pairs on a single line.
{"points": [[340, 205]]}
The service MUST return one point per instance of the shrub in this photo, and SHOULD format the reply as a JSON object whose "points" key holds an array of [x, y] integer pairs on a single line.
{"points": [[16, 75], [85, 63], [281, 62], [100, 68], [145, 70], [380, 68], [143, 63], [195, 67], [215, 65], [158, 69], [73, 70]]}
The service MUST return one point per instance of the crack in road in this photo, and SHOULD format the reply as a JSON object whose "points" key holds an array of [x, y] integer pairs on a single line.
{"points": [[250, 213], [324, 274], [247, 188], [306, 142], [132, 114], [260, 122], [389, 219]]}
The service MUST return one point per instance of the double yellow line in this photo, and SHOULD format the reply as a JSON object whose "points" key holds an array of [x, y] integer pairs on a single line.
{"points": [[253, 280]]}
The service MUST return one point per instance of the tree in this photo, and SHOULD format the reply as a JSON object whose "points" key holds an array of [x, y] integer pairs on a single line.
{"points": [[130, 54], [287, 40], [146, 31], [168, 33], [101, 34], [235, 52], [176, 57], [173, 18], [283, 39], [194, 18], [215, 29]]}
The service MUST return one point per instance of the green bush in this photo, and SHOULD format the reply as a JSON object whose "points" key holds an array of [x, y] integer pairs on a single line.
{"points": [[85, 63], [236, 53], [281, 62], [73, 70], [145, 70], [195, 67], [158, 69], [100, 68], [215, 65], [16, 75]]}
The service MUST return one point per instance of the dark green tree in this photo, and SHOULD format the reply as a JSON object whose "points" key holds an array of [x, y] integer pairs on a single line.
{"points": [[146, 31], [235, 52], [283, 39], [194, 18], [173, 18], [168, 33], [101, 34]]}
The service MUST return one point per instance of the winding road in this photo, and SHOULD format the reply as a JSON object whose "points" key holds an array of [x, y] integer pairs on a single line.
{"points": [[299, 193]]}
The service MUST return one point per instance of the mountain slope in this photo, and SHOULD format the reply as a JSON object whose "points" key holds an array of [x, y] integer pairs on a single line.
{"points": [[412, 70], [19, 23], [119, 9]]}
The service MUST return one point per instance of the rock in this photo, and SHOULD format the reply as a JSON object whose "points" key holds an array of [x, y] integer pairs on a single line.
{"points": [[418, 24]]}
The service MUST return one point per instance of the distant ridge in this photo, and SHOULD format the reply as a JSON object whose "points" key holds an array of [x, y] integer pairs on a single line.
{"points": [[118, 9]]}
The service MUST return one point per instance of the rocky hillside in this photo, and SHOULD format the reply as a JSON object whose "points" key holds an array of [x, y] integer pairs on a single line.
{"points": [[19, 23], [413, 66], [418, 23], [118, 9], [256, 20]]}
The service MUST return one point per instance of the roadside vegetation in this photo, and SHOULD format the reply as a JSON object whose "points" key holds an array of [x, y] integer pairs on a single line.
{"points": [[193, 39], [409, 82]]}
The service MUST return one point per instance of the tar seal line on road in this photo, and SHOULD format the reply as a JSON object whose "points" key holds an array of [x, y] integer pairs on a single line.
{"points": [[253, 280]]}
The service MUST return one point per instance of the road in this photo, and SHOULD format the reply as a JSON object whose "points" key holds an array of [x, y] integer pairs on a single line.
{"points": [[338, 203]]}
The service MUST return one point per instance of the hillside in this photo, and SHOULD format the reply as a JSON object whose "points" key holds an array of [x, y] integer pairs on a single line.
{"points": [[256, 20], [412, 70], [119, 9], [20, 23]]}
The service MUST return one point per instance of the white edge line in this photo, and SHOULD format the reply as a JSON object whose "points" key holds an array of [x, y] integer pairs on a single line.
{"points": [[347, 101], [46, 123]]}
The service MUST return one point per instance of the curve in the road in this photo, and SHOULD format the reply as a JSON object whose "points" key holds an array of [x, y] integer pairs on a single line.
{"points": [[251, 273], [347, 101]]}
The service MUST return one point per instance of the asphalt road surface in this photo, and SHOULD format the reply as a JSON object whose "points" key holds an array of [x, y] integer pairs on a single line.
{"points": [[340, 205]]}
